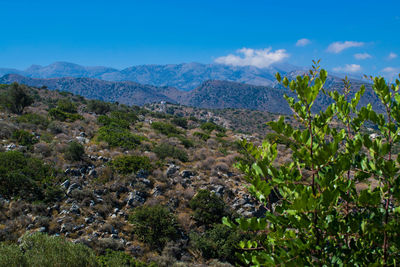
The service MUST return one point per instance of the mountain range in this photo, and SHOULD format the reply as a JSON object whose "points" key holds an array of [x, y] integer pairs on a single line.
{"points": [[185, 76], [209, 94]]}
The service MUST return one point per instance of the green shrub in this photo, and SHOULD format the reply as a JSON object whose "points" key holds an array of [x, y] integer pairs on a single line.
{"points": [[128, 116], [42, 250], [154, 225], [182, 122], [33, 119], [119, 137], [24, 177], [202, 136], [130, 164], [98, 107], [166, 150], [24, 138], [210, 126], [208, 207], [16, 98], [186, 142], [67, 106], [219, 242], [74, 151], [114, 122], [58, 114], [120, 259], [165, 128], [12, 256]]}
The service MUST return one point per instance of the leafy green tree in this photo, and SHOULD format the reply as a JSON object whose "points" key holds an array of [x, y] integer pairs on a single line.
{"points": [[323, 217], [154, 225], [208, 207], [17, 98]]}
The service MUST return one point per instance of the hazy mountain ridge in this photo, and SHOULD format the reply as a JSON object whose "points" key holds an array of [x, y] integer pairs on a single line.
{"points": [[185, 76], [214, 94], [123, 92]]}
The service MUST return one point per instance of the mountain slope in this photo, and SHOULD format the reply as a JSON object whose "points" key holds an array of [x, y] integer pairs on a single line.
{"points": [[185, 76], [123, 92], [210, 94]]}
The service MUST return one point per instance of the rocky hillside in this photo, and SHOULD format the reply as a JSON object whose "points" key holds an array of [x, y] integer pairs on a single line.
{"points": [[94, 172]]}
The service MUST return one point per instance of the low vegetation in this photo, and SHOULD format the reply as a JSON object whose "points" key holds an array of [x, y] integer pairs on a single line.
{"points": [[89, 183]]}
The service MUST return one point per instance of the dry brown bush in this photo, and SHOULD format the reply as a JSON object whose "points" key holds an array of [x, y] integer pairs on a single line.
{"points": [[184, 219], [221, 167], [201, 154], [42, 149], [212, 143], [207, 163]]}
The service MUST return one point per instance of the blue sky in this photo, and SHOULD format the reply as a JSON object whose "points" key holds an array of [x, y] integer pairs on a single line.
{"points": [[359, 37]]}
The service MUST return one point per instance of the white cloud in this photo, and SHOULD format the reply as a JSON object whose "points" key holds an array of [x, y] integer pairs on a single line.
{"points": [[389, 69], [391, 73], [348, 68], [392, 55], [303, 42], [362, 56], [338, 47], [260, 58]]}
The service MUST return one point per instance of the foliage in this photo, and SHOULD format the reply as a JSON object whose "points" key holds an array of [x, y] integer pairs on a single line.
{"points": [[112, 121], [12, 256], [58, 114], [24, 177], [98, 107], [181, 122], [219, 242], [33, 119], [115, 130], [154, 225], [118, 258], [130, 164], [16, 98], [208, 207], [323, 217], [211, 126], [74, 151], [67, 106], [24, 138], [280, 139], [42, 250], [118, 137], [187, 143], [165, 150], [128, 116], [165, 128], [202, 136]]}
